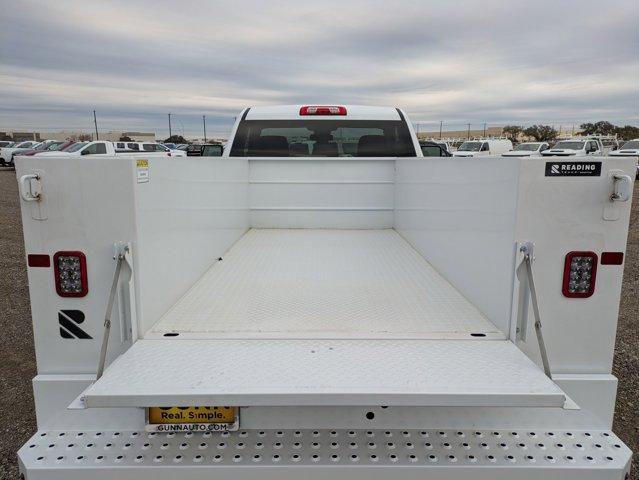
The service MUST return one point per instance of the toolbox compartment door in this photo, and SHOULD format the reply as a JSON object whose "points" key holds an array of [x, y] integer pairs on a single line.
{"points": [[181, 372]]}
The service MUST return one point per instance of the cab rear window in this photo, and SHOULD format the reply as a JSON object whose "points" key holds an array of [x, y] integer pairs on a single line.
{"points": [[322, 138]]}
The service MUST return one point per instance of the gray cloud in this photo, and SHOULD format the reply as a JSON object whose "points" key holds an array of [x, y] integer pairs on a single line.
{"points": [[469, 61]]}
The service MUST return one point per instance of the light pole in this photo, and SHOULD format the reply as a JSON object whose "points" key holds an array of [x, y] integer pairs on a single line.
{"points": [[170, 133], [204, 122]]}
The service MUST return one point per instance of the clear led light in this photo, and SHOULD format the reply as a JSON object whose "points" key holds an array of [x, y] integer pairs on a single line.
{"points": [[70, 271], [580, 268], [69, 274], [579, 274]]}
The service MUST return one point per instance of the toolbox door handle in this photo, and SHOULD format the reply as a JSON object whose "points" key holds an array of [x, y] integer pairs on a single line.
{"points": [[622, 188], [30, 187]]}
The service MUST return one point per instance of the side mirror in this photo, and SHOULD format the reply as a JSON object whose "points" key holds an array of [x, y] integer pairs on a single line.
{"points": [[85, 152]]}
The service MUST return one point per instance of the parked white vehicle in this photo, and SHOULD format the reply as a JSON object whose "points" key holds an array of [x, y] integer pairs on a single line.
{"points": [[610, 143], [527, 149], [575, 147], [483, 148], [322, 303], [6, 153], [149, 147], [630, 148], [98, 147]]}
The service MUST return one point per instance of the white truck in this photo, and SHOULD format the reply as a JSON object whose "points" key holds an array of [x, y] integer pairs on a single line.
{"points": [[575, 147], [483, 147], [149, 147], [322, 302], [527, 149], [102, 148]]}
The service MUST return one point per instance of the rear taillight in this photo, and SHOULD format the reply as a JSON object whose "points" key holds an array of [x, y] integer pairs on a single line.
{"points": [[70, 274], [322, 110], [580, 271]]}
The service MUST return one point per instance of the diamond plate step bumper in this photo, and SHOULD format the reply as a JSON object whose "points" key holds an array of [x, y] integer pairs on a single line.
{"points": [[325, 454]]}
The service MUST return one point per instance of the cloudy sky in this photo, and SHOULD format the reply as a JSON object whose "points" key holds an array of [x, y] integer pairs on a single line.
{"points": [[490, 61]]}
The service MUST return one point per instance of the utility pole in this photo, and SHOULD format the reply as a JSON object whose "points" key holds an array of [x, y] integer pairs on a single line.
{"points": [[469, 131], [484, 129], [95, 122], [170, 133], [204, 122], [441, 123]]}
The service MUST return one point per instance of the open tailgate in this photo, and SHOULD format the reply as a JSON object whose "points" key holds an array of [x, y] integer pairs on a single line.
{"points": [[172, 372]]}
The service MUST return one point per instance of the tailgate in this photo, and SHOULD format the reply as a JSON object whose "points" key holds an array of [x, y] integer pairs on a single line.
{"points": [[172, 372]]}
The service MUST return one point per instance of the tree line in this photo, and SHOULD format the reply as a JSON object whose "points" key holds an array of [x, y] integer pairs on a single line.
{"points": [[547, 133]]}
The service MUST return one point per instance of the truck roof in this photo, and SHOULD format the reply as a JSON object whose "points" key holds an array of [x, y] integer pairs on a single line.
{"points": [[292, 112]]}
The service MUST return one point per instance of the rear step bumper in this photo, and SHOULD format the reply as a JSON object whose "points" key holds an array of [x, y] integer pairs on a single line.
{"points": [[326, 454]]}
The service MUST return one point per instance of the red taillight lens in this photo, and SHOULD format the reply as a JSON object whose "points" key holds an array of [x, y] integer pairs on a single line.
{"points": [[38, 260], [580, 271], [612, 258], [70, 274], [322, 110]]}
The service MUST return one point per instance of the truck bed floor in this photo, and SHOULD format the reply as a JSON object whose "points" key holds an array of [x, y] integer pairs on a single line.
{"points": [[297, 283]]}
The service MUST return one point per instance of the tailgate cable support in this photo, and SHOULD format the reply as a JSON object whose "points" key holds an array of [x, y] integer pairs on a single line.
{"points": [[107, 317], [527, 250]]}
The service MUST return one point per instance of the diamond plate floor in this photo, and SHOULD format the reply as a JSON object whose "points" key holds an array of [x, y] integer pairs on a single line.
{"points": [[323, 284]]}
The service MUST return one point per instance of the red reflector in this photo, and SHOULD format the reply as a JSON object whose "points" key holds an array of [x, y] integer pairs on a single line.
{"points": [[70, 274], [611, 258], [322, 110], [38, 260], [580, 271]]}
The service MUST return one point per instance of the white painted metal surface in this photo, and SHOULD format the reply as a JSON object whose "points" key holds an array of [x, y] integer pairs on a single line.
{"points": [[326, 455], [188, 214], [323, 284], [297, 192], [323, 372], [560, 215], [460, 214]]}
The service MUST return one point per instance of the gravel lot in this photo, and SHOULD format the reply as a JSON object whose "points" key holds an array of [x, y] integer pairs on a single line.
{"points": [[18, 362]]}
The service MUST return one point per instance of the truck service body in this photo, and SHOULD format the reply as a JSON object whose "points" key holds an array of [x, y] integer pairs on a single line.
{"points": [[324, 302]]}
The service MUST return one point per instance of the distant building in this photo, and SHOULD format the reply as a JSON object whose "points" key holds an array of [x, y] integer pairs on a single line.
{"points": [[114, 136], [19, 136]]}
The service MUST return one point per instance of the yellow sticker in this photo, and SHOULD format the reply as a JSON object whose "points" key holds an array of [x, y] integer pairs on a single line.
{"points": [[142, 171]]}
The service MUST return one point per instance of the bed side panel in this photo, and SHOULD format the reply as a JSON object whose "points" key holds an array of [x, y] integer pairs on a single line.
{"points": [[188, 214], [459, 213]]}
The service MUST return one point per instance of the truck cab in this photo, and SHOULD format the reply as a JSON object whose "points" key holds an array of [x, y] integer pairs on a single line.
{"points": [[322, 302], [323, 131]]}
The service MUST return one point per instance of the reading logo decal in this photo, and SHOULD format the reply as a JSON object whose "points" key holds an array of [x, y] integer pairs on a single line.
{"points": [[573, 169], [69, 321]]}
